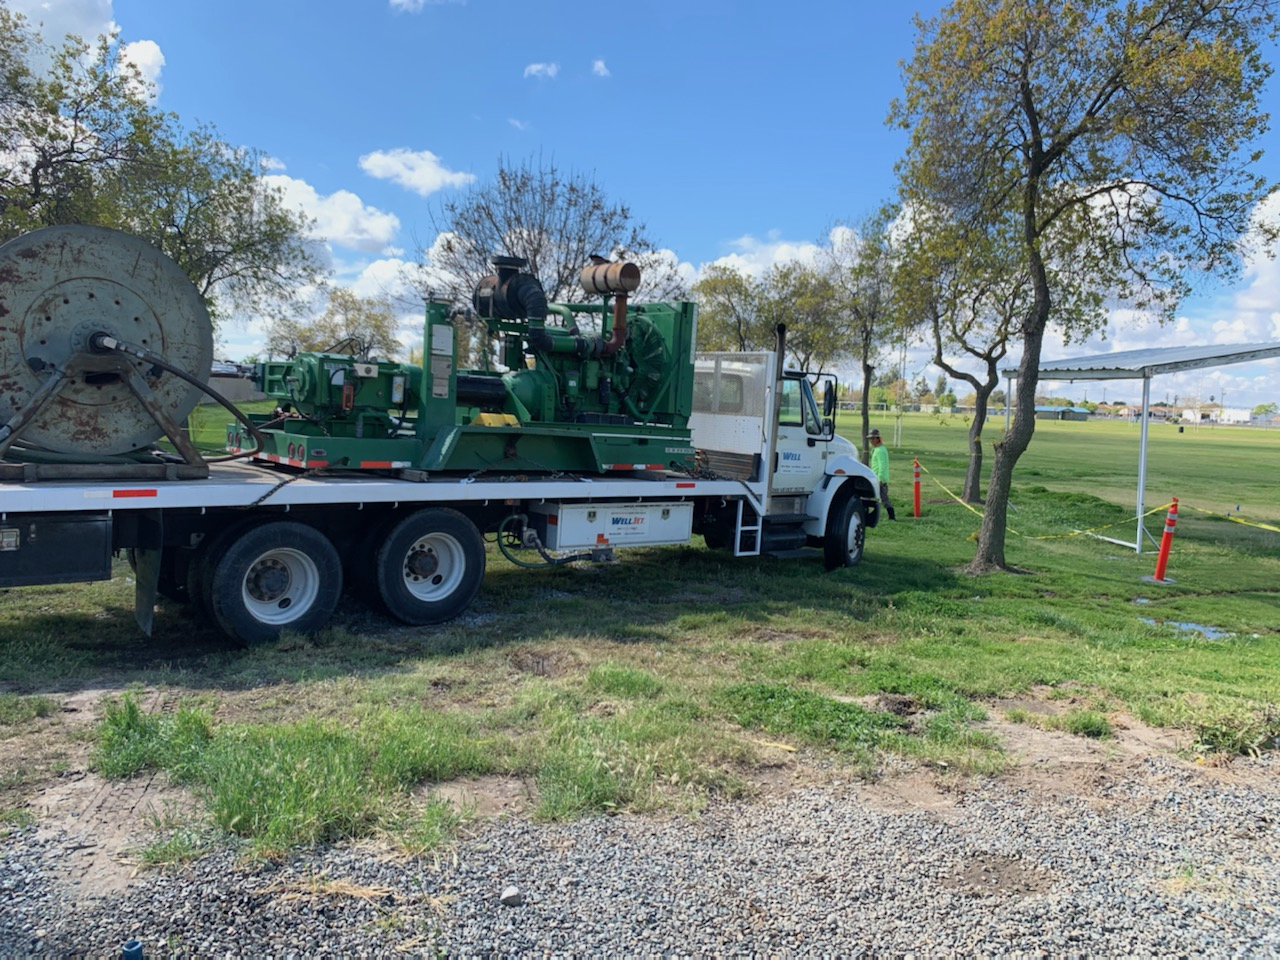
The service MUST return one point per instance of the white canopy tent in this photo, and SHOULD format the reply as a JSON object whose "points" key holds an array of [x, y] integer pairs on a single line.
{"points": [[1145, 364]]}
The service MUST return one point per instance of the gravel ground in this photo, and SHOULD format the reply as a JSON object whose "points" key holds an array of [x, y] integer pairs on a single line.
{"points": [[1155, 858]]}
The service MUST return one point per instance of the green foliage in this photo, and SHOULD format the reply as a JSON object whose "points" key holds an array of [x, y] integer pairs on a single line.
{"points": [[130, 740], [176, 846], [15, 709], [433, 827], [810, 716], [413, 745], [620, 681], [1086, 723], [730, 311], [86, 143], [1111, 145], [1258, 730], [284, 785], [362, 326]]}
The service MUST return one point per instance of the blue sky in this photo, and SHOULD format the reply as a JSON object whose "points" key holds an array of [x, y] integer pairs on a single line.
{"points": [[737, 131]]}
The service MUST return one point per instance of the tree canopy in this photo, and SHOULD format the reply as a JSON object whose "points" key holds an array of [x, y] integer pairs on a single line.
{"points": [[1113, 142], [84, 142], [555, 219], [364, 327]]}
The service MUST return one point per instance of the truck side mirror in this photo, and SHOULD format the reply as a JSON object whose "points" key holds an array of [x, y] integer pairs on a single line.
{"points": [[828, 402], [829, 427]]}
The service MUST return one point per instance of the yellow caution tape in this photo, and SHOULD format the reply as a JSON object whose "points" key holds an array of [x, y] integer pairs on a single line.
{"points": [[1227, 516], [770, 743], [1182, 505]]}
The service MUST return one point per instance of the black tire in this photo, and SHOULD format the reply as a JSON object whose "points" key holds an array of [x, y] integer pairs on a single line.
{"points": [[204, 557], [362, 563], [430, 566], [276, 576], [715, 540], [846, 534]]}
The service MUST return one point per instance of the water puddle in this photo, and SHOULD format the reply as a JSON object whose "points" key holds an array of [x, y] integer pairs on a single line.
{"points": [[1183, 626]]}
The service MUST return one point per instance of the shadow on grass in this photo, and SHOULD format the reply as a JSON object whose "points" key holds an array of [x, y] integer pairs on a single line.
{"points": [[655, 596]]}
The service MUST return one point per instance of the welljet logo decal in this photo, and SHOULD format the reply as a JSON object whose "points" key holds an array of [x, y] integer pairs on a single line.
{"points": [[790, 456], [627, 521]]}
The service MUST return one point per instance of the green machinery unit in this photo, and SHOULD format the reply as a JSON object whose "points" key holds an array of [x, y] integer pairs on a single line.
{"points": [[567, 401]]}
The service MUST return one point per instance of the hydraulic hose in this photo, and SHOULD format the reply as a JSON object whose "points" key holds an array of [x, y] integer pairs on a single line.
{"points": [[549, 560], [103, 341]]}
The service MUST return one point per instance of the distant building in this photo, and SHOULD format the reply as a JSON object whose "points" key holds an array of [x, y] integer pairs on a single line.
{"points": [[1062, 413]]}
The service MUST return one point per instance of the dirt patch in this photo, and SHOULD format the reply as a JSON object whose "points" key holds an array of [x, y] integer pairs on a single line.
{"points": [[103, 822], [993, 875], [542, 663], [486, 797], [915, 790], [107, 821]]}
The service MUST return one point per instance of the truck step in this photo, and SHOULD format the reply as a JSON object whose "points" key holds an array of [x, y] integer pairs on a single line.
{"points": [[787, 519], [790, 554]]}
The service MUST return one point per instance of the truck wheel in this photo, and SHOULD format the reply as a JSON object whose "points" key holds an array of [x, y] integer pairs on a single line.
{"points": [[201, 563], [430, 566], [846, 533], [275, 576]]}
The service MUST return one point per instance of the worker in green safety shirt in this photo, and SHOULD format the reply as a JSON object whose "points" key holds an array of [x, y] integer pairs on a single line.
{"points": [[880, 467]]}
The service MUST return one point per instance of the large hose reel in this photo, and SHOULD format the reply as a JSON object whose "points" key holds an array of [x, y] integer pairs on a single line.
{"points": [[73, 301]]}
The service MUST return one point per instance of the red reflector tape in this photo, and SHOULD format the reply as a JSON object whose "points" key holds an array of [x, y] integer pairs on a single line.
{"points": [[132, 493], [681, 486]]}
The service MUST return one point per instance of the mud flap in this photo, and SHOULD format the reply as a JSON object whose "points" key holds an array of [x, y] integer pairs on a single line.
{"points": [[146, 556]]}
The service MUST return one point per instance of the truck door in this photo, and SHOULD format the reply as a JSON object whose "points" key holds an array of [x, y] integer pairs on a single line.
{"points": [[801, 451]]}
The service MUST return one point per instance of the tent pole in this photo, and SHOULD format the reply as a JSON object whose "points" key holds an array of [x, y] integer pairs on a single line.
{"points": [[1142, 459]]}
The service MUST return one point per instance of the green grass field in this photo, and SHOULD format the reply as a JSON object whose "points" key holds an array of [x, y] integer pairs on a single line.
{"points": [[670, 677]]}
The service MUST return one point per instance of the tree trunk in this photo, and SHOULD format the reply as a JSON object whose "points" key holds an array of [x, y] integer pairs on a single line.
{"points": [[973, 475], [991, 535], [867, 371]]}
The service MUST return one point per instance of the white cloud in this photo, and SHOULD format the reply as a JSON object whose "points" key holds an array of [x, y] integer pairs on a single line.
{"points": [[599, 69], [754, 257], [272, 164], [542, 70], [342, 218], [146, 56], [518, 124], [416, 170], [415, 6], [87, 19]]}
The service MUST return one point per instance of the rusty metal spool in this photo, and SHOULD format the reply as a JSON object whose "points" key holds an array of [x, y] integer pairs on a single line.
{"points": [[62, 286]]}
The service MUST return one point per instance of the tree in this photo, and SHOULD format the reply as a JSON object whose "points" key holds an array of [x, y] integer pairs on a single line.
{"points": [[85, 143], [804, 299], [553, 219], [730, 311], [364, 327], [1265, 410], [966, 293], [207, 205], [860, 263], [1115, 138]]}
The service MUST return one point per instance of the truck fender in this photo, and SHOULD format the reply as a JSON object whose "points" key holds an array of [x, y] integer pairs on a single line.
{"points": [[845, 476]]}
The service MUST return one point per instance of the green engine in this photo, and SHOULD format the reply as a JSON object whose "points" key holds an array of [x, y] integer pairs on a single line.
{"points": [[592, 387]]}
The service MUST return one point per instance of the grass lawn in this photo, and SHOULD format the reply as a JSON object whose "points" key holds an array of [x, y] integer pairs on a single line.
{"points": [[673, 676]]}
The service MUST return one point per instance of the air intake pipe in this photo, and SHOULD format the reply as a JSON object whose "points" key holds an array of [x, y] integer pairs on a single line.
{"points": [[512, 295], [620, 279]]}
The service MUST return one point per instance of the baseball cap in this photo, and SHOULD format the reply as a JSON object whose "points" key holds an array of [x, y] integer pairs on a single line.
{"points": [[874, 433]]}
